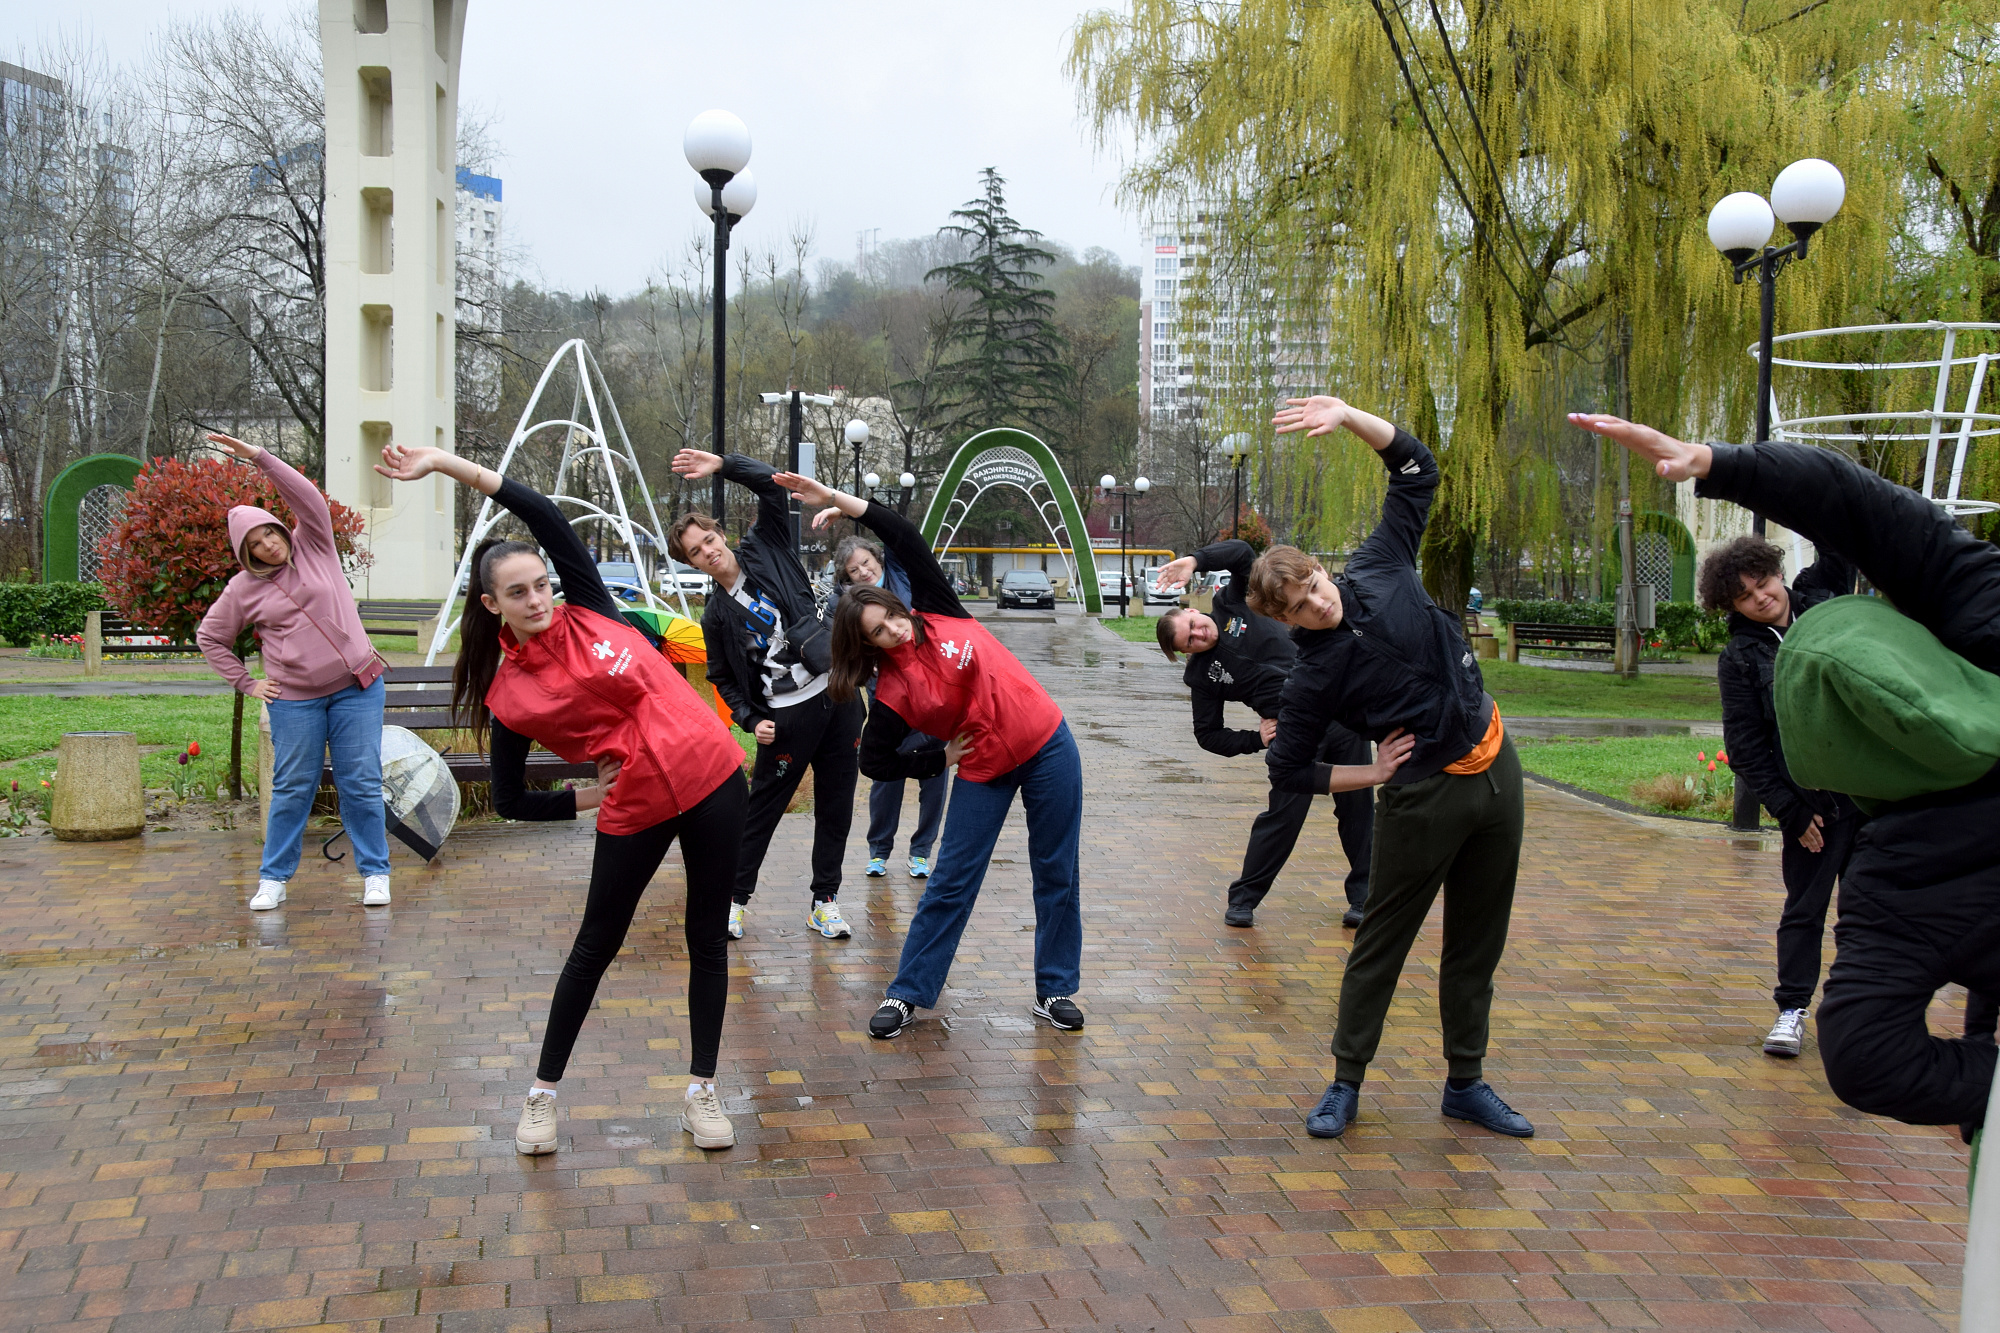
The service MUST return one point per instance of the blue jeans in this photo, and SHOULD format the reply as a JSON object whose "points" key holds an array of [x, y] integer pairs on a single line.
{"points": [[1051, 787], [302, 731], [885, 812]]}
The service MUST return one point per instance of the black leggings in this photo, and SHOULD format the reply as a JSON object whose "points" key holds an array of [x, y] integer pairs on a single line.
{"points": [[711, 834]]}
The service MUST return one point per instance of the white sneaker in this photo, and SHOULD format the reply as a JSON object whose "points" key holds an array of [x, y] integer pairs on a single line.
{"points": [[536, 1134], [701, 1116], [270, 892], [375, 891], [1787, 1036], [736, 921], [826, 920]]}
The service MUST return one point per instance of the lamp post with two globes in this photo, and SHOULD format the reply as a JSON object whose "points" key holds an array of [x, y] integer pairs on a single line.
{"points": [[717, 145], [1139, 487], [857, 436], [1805, 196]]}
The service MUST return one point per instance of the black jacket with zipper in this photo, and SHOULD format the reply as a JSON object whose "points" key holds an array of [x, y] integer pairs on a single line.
{"points": [[1251, 658], [1744, 674], [1396, 660], [770, 566]]}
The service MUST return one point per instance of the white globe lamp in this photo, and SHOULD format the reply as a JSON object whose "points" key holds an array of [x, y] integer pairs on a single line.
{"points": [[717, 144], [1739, 225], [1807, 194]]}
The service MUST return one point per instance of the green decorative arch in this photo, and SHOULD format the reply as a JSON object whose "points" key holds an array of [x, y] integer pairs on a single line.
{"points": [[1007, 457], [59, 512], [1679, 540]]}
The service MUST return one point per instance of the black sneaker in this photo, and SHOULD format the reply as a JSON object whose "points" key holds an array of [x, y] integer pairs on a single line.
{"points": [[1061, 1012], [1351, 917], [890, 1019], [1482, 1106], [1239, 916]]}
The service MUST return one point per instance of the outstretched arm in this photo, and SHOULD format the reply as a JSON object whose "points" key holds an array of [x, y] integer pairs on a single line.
{"points": [[1935, 571], [314, 533], [930, 591], [1413, 473], [774, 512], [582, 585]]}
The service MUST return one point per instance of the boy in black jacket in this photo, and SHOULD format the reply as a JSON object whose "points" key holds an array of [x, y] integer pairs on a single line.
{"points": [[1920, 902], [1746, 578], [1238, 656], [1378, 656], [767, 658]]}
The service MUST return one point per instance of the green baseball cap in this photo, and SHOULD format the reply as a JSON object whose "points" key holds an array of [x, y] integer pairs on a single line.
{"points": [[1872, 705]]}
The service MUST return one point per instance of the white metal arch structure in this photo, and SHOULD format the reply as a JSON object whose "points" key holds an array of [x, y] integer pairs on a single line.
{"points": [[1008, 457], [586, 444], [1927, 424]]}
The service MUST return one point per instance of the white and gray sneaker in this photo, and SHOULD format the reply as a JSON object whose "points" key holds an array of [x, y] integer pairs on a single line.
{"points": [[375, 891], [701, 1116], [1787, 1036], [536, 1134], [270, 893]]}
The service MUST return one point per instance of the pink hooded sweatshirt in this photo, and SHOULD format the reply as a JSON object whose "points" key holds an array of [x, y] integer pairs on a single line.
{"points": [[313, 642]]}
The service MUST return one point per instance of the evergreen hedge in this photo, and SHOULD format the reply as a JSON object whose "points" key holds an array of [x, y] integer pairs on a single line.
{"points": [[31, 609]]}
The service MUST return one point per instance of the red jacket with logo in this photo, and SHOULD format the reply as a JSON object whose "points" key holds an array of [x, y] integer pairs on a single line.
{"points": [[591, 687]]}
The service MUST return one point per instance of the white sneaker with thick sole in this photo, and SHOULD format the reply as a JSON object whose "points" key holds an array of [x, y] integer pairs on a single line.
{"points": [[701, 1116], [375, 891], [736, 921], [536, 1134], [827, 921], [270, 893], [1787, 1036]]}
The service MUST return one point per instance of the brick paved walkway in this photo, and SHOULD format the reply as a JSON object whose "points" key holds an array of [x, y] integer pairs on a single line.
{"points": [[215, 1121]]}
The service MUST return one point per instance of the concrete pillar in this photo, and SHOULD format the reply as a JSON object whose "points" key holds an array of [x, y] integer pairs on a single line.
{"points": [[98, 796], [391, 180]]}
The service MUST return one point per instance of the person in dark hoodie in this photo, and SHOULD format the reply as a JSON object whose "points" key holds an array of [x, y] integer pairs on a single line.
{"points": [[1746, 578], [1895, 701], [768, 658], [1238, 656], [1377, 655]]}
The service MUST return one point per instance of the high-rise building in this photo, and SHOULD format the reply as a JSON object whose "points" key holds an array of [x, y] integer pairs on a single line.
{"points": [[481, 280]]}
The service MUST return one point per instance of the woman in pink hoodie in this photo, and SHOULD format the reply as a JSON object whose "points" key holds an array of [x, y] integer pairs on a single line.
{"points": [[323, 679]]}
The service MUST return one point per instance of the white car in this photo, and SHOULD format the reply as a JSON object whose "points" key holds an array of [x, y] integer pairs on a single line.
{"points": [[1149, 578], [685, 580], [1108, 582]]}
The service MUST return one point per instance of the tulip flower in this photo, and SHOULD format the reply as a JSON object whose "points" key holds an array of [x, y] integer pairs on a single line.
{"points": [[1711, 765], [1723, 757], [1701, 756], [184, 760], [194, 748]]}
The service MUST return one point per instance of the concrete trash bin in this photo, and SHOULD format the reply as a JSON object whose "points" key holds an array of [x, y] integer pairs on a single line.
{"points": [[97, 795]]}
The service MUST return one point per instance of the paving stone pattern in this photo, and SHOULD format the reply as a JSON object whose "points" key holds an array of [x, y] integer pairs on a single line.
{"points": [[214, 1120]]}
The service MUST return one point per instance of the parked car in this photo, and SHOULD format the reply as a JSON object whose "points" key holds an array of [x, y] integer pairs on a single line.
{"points": [[1026, 587], [1149, 577], [623, 579], [1109, 581], [687, 581]]}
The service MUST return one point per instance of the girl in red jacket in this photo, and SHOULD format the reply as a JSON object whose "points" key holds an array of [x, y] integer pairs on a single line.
{"points": [[580, 680], [939, 671]]}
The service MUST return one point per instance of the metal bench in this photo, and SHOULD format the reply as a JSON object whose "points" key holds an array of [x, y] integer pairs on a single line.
{"points": [[1589, 640]]}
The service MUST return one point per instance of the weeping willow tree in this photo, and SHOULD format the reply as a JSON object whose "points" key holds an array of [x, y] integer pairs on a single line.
{"points": [[1467, 197]]}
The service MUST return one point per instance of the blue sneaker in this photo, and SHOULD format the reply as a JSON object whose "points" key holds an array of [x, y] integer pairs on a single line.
{"points": [[1335, 1112], [1482, 1106], [877, 867], [920, 867]]}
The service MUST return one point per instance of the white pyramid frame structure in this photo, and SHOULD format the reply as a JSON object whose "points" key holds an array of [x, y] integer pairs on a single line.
{"points": [[586, 445]]}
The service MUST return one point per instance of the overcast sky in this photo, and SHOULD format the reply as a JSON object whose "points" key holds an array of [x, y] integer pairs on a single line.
{"points": [[862, 116]]}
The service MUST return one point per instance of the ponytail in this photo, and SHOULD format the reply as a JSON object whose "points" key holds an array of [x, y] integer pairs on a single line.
{"points": [[479, 640]]}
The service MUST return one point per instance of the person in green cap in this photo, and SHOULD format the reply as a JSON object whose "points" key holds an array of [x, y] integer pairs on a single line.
{"points": [[1894, 701]]}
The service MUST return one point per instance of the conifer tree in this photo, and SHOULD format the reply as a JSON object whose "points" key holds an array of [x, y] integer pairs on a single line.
{"points": [[1010, 368]]}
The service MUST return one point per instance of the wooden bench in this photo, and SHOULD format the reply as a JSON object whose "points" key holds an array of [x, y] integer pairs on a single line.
{"points": [[405, 619], [99, 627], [1590, 640], [420, 698]]}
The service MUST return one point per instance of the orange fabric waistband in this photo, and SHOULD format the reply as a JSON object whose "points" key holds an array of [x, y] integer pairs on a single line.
{"points": [[1481, 756]]}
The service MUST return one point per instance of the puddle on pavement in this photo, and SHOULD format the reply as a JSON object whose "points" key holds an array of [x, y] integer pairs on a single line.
{"points": [[142, 954]]}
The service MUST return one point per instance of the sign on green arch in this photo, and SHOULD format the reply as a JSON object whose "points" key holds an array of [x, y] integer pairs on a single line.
{"points": [[1008, 457]]}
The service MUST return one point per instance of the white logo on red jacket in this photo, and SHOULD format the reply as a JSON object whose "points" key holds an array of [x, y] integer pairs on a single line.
{"points": [[960, 654], [602, 648]]}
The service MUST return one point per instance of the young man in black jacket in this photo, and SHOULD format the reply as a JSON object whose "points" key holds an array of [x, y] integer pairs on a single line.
{"points": [[1745, 577], [1378, 655], [767, 658], [1920, 902], [1238, 656]]}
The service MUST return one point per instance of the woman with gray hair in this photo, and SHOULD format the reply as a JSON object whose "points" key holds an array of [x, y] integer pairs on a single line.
{"points": [[861, 563]]}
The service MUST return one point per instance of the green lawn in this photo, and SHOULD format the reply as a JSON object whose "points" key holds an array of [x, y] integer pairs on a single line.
{"points": [[1612, 765], [1133, 629], [1529, 691], [32, 724]]}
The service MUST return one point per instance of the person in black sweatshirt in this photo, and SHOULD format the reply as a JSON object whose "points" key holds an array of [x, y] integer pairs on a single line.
{"points": [[1920, 902], [1377, 655], [1745, 577], [1238, 656]]}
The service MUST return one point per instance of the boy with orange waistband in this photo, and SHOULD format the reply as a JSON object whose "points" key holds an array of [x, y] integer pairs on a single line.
{"points": [[1377, 655]]}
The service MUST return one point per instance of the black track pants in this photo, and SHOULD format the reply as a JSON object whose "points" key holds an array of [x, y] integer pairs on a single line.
{"points": [[826, 735], [711, 835], [1276, 831], [1461, 832], [1809, 880]]}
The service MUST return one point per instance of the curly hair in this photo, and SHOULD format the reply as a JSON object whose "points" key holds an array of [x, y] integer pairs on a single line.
{"points": [[845, 551], [1720, 581]]}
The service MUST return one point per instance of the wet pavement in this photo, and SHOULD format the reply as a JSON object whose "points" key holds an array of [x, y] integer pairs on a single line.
{"points": [[211, 1121]]}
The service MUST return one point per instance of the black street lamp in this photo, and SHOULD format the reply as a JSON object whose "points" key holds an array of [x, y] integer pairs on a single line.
{"points": [[1238, 446], [795, 435], [857, 437], [1124, 498], [717, 145], [1805, 197]]}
